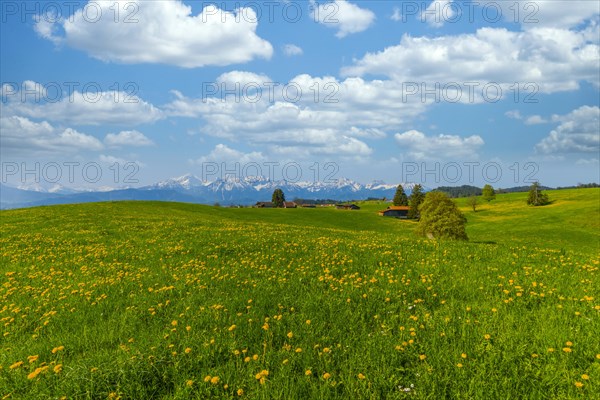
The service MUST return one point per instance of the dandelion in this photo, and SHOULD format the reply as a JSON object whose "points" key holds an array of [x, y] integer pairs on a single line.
{"points": [[32, 359], [188, 328], [569, 344], [255, 357], [214, 380], [464, 355], [550, 350], [361, 376], [247, 359], [290, 335], [174, 322], [240, 392], [265, 326], [579, 385], [459, 365], [422, 357], [187, 350], [57, 368], [189, 382], [487, 336], [567, 349], [207, 378], [57, 349], [308, 372], [284, 362], [308, 322], [298, 350], [326, 375], [326, 350], [16, 365], [585, 377], [232, 327]]}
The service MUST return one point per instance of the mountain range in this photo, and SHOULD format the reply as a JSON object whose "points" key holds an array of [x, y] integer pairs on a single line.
{"points": [[191, 189]]}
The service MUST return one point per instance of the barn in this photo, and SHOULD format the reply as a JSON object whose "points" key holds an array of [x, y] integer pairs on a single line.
{"points": [[395, 211]]}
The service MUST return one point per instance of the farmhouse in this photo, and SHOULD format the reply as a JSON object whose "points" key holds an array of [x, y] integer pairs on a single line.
{"points": [[395, 211], [347, 207], [289, 204]]}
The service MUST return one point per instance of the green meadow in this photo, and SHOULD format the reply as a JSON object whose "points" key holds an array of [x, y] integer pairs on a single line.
{"points": [[149, 300]]}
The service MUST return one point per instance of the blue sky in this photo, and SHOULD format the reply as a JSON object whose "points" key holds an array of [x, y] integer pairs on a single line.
{"points": [[439, 92]]}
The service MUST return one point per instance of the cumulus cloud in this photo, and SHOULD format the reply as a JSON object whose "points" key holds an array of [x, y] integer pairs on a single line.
{"points": [[23, 136], [159, 32], [127, 138], [551, 59], [224, 153], [535, 120], [578, 132], [82, 108], [292, 50], [419, 146], [438, 12], [346, 17]]}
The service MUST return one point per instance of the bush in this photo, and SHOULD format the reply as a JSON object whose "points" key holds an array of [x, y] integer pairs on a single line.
{"points": [[440, 218]]}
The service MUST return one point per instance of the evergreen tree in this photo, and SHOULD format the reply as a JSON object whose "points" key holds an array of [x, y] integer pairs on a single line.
{"points": [[415, 200], [488, 193], [400, 198], [440, 218], [536, 197], [278, 198]]}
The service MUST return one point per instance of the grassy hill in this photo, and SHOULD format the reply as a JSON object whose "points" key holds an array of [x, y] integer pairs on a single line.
{"points": [[168, 300]]}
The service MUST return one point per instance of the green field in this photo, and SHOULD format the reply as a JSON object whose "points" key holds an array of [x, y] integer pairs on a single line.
{"points": [[142, 300]]}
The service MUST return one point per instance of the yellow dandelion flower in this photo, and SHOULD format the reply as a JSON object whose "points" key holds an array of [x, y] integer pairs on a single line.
{"points": [[174, 322], [550, 350], [16, 365], [464, 355], [189, 382], [240, 392], [187, 350], [57, 349], [188, 328], [422, 357], [308, 322], [567, 349], [308, 372], [290, 335], [207, 378], [459, 365], [232, 327], [262, 380], [284, 362], [247, 359], [265, 326], [57, 368], [326, 350], [361, 376], [298, 350], [94, 369], [569, 344], [214, 380], [579, 384], [225, 386], [32, 359], [326, 375], [255, 357], [487, 337], [585, 377]]}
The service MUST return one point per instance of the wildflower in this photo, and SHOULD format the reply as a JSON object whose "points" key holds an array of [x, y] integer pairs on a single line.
{"points": [[290, 335], [550, 350], [57, 368], [299, 350], [579, 385], [16, 365], [240, 392], [57, 349], [308, 372], [285, 361], [422, 357], [326, 375], [214, 380], [265, 326], [567, 349], [569, 344], [463, 355], [174, 322], [255, 357], [32, 359], [585, 377], [207, 378], [189, 382], [232, 327], [487, 337], [459, 365], [188, 328], [361, 376], [326, 350], [187, 350], [308, 322], [247, 359]]}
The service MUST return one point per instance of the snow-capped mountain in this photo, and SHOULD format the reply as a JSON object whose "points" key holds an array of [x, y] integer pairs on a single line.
{"points": [[190, 188]]}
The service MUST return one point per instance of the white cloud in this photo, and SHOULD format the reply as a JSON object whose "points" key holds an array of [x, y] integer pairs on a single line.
{"points": [[346, 17], [23, 136], [578, 132], [292, 50], [230, 79], [397, 15], [514, 114], [535, 120], [553, 59], [127, 138], [438, 12], [87, 108], [223, 153], [161, 32], [587, 161], [450, 147]]}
